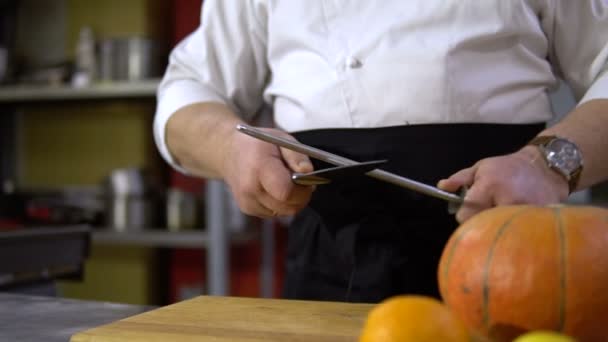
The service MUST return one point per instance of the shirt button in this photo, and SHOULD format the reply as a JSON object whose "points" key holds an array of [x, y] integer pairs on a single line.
{"points": [[353, 63]]}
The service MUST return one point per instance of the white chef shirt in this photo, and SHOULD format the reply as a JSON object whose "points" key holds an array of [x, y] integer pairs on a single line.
{"points": [[375, 63]]}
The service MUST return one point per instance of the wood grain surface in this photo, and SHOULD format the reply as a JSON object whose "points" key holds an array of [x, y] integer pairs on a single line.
{"points": [[237, 319]]}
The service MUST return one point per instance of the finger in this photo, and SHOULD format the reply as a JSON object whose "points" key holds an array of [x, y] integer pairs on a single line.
{"points": [[464, 177], [283, 196], [278, 192], [275, 179], [260, 204], [299, 195], [280, 208], [296, 161], [477, 199], [254, 207]]}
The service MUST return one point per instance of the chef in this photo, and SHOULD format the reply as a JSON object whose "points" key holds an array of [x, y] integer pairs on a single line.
{"points": [[452, 92]]}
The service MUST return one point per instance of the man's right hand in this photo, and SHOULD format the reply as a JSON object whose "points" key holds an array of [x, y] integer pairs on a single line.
{"points": [[259, 176], [203, 140]]}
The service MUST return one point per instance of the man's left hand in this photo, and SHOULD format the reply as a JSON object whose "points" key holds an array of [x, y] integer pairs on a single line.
{"points": [[522, 177]]}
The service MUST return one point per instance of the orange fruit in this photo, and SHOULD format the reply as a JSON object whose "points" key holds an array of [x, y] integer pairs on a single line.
{"points": [[544, 336], [412, 318]]}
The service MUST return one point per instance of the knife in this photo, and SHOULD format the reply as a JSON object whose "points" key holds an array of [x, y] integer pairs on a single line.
{"points": [[326, 176], [337, 160]]}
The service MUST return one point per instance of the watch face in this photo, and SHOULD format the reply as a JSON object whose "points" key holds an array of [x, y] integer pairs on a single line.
{"points": [[564, 155]]}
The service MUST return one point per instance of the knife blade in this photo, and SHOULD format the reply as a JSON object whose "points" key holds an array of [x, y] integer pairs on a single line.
{"points": [[341, 161], [326, 176]]}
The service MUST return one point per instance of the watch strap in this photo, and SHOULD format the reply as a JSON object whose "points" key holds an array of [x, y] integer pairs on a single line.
{"points": [[542, 140]]}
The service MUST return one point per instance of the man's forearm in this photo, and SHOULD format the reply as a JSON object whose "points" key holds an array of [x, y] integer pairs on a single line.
{"points": [[198, 137], [587, 126]]}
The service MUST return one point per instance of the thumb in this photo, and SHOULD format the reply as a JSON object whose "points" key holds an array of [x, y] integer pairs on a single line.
{"points": [[296, 161], [464, 177]]}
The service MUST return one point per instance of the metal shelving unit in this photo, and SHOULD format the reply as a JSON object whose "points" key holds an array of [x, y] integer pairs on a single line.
{"points": [[216, 239], [166, 239], [100, 91]]}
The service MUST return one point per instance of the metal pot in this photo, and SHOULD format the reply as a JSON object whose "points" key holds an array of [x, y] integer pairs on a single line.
{"points": [[129, 59]]}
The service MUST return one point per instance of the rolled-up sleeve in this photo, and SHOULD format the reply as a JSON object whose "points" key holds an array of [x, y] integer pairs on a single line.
{"points": [[223, 61], [578, 32]]}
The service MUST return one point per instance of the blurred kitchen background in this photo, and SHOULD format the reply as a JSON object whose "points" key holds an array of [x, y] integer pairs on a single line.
{"points": [[87, 207]]}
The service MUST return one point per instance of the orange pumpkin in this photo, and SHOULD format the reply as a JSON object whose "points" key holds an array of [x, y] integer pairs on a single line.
{"points": [[514, 269]]}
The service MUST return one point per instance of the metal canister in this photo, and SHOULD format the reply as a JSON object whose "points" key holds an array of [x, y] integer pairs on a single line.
{"points": [[129, 202], [129, 59], [182, 210]]}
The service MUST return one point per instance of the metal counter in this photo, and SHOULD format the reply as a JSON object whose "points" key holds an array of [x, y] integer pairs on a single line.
{"points": [[30, 318]]}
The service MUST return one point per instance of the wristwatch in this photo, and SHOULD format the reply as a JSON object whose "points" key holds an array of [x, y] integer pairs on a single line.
{"points": [[562, 156]]}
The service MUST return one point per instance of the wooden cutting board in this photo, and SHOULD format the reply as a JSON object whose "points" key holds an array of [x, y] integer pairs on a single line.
{"points": [[237, 319]]}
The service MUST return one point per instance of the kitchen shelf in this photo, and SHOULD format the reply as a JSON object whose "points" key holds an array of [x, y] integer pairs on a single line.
{"points": [[159, 238], [114, 90]]}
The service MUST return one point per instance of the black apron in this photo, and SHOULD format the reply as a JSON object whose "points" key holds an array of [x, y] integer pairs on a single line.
{"points": [[363, 240]]}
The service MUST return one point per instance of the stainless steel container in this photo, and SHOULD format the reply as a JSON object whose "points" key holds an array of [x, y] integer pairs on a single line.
{"points": [[130, 204], [129, 59], [182, 210]]}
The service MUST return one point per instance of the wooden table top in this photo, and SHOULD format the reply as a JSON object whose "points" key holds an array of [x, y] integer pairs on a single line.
{"points": [[236, 319]]}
